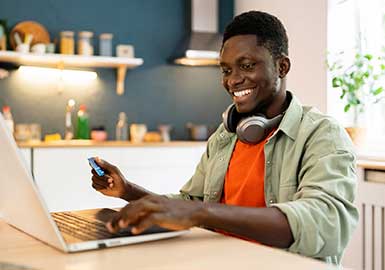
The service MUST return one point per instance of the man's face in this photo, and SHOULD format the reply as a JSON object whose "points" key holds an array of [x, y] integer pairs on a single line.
{"points": [[250, 74]]}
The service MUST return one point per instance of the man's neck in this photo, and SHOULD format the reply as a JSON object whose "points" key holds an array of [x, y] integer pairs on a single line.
{"points": [[279, 105]]}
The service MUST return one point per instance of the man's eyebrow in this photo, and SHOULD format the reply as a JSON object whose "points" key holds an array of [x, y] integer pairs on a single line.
{"points": [[245, 57], [239, 60]]}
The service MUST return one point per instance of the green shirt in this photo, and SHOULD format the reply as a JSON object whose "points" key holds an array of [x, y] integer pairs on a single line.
{"points": [[309, 175]]}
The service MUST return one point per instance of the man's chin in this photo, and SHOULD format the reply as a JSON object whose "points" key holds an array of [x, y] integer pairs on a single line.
{"points": [[243, 108]]}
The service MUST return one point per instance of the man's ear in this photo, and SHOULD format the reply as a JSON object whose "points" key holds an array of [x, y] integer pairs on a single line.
{"points": [[283, 66]]}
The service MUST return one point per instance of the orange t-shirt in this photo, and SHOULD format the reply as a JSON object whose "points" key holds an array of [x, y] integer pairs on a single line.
{"points": [[244, 180]]}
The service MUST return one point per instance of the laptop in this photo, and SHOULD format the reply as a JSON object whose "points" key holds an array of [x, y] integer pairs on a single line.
{"points": [[22, 206]]}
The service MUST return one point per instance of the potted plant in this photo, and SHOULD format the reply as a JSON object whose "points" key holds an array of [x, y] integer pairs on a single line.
{"points": [[361, 82]]}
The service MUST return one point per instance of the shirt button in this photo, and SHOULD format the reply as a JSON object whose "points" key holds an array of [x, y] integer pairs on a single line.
{"points": [[221, 135], [268, 162], [215, 193], [221, 159], [271, 201]]}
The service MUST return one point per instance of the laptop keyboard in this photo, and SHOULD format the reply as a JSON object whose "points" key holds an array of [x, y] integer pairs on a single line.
{"points": [[84, 228], [88, 229]]}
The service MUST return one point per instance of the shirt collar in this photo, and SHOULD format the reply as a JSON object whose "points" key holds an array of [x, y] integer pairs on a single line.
{"points": [[292, 118]]}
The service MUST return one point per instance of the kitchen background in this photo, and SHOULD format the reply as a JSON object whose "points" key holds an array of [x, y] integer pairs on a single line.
{"points": [[156, 92]]}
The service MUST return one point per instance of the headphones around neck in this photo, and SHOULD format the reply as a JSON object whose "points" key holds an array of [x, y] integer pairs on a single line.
{"points": [[250, 129]]}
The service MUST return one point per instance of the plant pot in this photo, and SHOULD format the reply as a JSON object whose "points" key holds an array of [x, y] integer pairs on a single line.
{"points": [[357, 134]]}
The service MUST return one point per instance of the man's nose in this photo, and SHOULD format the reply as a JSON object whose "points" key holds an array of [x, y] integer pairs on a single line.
{"points": [[235, 79]]}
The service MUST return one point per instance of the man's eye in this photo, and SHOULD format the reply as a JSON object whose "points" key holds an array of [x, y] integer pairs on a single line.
{"points": [[248, 66], [225, 71]]}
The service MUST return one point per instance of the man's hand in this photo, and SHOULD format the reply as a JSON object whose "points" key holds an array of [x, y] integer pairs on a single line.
{"points": [[112, 183], [267, 225], [156, 210]]}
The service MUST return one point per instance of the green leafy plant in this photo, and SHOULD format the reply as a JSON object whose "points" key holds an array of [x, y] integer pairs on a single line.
{"points": [[361, 81]]}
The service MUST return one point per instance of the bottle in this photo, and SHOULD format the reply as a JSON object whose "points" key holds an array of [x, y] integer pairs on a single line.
{"points": [[105, 44], [8, 118], [165, 132], [85, 46], [83, 126], [69, 127], [122, 128], [67, 43]]}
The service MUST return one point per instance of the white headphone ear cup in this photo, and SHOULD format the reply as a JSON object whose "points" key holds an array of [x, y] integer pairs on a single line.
{"points": [[252, 129]]}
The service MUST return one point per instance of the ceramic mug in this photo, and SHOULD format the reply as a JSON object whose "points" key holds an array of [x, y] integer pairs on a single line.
{"points": [[22, 48], [38, 48]]}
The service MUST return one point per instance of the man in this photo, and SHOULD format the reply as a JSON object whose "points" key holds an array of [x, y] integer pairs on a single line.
{"points": [[292, 188]]}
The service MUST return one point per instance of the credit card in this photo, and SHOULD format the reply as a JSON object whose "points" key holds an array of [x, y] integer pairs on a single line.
{"points": [[96, 167]]}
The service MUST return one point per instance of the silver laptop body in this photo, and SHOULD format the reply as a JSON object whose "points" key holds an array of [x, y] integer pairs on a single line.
{"points": [[22, 206]]}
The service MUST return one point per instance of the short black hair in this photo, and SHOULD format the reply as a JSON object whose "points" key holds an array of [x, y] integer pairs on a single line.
{"points": [[268, 29]]}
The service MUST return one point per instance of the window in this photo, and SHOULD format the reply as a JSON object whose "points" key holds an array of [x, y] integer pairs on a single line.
{"points": [[357, 25]]}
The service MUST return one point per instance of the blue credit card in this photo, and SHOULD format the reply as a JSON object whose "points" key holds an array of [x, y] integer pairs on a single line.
{"points": [[95, 166]]}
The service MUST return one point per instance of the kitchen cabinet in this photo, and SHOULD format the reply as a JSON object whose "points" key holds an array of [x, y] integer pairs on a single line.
{"points": [[63, 175], [61, 61]]}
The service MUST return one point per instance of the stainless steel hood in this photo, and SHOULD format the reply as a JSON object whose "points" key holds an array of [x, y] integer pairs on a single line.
{"points": [[201, 47]]}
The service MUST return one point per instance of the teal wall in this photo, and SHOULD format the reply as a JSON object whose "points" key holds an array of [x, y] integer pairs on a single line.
{"points": [[155, 93]]}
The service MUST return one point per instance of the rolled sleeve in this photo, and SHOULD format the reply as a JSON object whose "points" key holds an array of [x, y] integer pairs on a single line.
{"points": [[322, 215]]}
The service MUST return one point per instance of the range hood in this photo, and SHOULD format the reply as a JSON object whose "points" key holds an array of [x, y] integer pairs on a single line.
{"points": [[201, 47]]}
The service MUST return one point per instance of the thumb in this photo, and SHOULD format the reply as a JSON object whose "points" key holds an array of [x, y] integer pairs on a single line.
{"points": [[104, 164]]}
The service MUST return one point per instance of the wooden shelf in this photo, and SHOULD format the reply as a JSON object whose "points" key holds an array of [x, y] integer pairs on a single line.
{"points": [[62, 60], [91, 143]]}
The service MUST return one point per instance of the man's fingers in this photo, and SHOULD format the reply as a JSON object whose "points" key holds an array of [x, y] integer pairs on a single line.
{"points": [[132, 213], [97, 186], [100, 181], [138, 209], [113, 224], [146, 223], [123, 224], [118, 222], [105, 165], [94, 172]]}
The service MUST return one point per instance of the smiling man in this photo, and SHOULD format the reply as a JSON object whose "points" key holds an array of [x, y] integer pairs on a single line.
{"points": [[275, 172]]}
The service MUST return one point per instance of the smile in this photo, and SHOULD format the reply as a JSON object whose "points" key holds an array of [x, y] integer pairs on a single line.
{"points": [[242, 93]]}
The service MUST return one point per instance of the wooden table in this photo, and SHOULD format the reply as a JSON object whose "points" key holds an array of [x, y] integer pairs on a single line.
{"points": [[199, 249]]}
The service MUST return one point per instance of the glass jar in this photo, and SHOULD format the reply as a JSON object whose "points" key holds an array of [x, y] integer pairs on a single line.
{"points": [[67, 45], [85, 46], [105, 44], [122, 128], [35, 130]]}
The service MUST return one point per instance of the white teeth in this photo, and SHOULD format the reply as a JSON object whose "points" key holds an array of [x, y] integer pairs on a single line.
{"points": [[242, 93]]}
